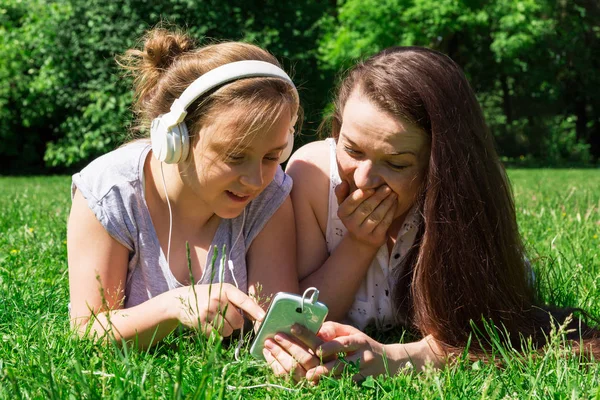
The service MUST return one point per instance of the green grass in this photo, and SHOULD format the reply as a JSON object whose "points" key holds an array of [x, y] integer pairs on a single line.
{"points": [[559, 215]]}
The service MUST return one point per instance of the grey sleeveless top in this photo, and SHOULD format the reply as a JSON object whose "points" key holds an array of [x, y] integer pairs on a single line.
{"points": [[114, 189]]}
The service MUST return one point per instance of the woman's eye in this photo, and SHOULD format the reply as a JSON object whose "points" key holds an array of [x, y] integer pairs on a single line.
{"points": [[397, 167], [351, 151]]}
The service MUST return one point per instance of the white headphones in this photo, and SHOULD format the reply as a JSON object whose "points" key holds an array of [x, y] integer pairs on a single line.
{"points": [[169, 134]]}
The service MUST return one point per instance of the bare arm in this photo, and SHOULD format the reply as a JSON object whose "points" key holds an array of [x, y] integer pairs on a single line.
{"points": [[339, 275], [306, 355], [97, 274], [272, 256], [375, 358]]}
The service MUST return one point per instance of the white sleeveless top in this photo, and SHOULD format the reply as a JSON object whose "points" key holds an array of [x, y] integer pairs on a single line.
{"points": [[373, 302]]}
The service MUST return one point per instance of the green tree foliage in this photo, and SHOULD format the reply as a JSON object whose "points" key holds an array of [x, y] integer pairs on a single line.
{"points": [[32, 91], [532, 62], [66, 101]]}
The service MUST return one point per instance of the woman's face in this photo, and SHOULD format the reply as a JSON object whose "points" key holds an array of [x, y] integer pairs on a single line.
{"points": [[375, 148], [226, 179]]}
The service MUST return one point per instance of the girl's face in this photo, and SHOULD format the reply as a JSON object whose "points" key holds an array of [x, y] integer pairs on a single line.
{"points": [[375, 148], [226, 179]]}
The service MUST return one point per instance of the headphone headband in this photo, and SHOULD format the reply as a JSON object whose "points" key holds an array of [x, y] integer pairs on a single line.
{"points": [[217, 77], [169, 133]]}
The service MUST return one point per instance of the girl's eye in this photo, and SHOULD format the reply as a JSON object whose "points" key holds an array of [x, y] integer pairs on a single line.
{"points": [[234, 158], [272, 158]]}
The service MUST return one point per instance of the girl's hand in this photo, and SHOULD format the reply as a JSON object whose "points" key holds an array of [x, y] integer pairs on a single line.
{"points": [[311, 356], [214, 307], [292, 356], [367, 214]]}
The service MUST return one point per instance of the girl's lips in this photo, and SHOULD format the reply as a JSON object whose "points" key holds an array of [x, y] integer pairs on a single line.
{"points": [[237, 199]]}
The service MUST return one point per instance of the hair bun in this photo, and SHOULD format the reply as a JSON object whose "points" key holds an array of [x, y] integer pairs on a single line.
{"points": [[162, 48], [147, 66]]}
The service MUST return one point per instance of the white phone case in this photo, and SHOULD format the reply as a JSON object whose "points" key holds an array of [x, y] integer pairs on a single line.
{"points": [[285, 310]]}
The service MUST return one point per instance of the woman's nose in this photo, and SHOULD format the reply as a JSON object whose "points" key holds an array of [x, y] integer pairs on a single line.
{"points": [[366, 176]]}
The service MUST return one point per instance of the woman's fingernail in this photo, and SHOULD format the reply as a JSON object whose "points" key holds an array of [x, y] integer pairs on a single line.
{"points": [[268, 344], [278, 338]]}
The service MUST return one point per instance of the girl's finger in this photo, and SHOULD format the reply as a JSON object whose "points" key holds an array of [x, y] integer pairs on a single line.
{"points": [[288, 363], [299, 353], [273, 363], [233, 316], [314, 375], [245, 303], [222, 325], [207, 329], [333, 368]]}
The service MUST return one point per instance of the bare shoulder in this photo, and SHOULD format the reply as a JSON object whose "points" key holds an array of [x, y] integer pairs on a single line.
{"points": [[309, 162]]}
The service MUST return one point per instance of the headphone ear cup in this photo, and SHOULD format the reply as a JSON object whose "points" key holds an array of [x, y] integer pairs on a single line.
{"points": [[160, 140], [178, 143], [287, 152], [169, 145], [184, 140]]}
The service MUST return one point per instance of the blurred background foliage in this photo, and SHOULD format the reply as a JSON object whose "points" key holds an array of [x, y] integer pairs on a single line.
{"points": [[534, 65]]}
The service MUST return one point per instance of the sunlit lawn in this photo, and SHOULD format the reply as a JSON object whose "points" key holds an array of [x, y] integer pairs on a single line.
{"points": [[559, 215]]}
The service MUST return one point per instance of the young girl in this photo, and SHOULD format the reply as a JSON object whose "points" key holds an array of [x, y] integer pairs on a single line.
{"points": [[407, 218], [221, 119]]}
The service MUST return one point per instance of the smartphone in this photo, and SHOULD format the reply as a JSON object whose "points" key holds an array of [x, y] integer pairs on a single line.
{"points": [[287, 309]]}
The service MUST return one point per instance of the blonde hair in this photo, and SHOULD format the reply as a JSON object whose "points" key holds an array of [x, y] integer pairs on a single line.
{"points": [[170, 62]]}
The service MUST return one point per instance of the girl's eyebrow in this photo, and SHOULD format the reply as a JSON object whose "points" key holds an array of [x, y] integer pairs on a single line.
{"points": [[221, 147], [279, 148], [283, 146]]}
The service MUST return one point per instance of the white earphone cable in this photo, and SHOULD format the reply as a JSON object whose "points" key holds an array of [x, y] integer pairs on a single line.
{"points": [[241, 339], [162, 174], [229, 262], [231, 269]]}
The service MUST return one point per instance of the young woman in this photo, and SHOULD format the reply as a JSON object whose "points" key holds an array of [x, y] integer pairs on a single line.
{"points": [[221, 119], [407, 218]]}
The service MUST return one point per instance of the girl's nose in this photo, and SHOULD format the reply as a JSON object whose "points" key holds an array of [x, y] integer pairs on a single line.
{"points": [[253, 177]]}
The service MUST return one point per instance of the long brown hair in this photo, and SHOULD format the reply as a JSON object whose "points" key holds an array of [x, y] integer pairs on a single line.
{"points": [[468, 263]]}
